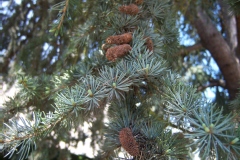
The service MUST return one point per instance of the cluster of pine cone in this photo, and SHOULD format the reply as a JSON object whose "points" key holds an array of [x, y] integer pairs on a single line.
{"points": [[122, 42], [122, 48], [116, 47]]}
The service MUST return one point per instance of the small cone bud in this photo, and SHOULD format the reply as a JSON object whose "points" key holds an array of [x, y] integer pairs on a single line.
{"points": [[128, 142], [131, 9], [120, 39], [117, 52], [149, 44], [204, 125], [234, 141], [212, 126], [138, 2]]}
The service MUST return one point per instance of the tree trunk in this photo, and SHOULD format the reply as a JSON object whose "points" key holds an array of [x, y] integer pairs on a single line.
{"points": [[220, 50], [229, 25], [238, 35]]}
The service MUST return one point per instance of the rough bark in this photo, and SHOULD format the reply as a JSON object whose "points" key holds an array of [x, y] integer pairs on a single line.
{"points": [[229, 25], [238, 35], [213, 41]]}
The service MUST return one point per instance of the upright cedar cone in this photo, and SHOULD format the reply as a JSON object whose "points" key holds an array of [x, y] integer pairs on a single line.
{"points": [[128, 142], [118, 51], [131, 9], [120, 39], [138, 2], [149, 43]]}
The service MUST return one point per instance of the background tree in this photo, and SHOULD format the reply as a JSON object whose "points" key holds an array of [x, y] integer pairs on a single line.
{"points": [[213, 27], [66, 78]]}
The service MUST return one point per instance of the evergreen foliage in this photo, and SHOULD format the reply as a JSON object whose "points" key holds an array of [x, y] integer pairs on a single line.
{"points": [[235, 6], [140, 95]]}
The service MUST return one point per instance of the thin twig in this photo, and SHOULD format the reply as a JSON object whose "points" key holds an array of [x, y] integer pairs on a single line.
{"points": [[212, 83], [185, 51]]}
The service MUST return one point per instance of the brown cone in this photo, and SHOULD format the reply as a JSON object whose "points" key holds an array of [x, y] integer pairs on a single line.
{"points": [[149, 44], [117, 52], [131, 9], [128, 142], [120, 39]]}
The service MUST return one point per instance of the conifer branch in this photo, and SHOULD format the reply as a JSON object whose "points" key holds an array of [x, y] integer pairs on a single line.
{"points": [[185, 51], [62, 7], [37, 131], [64, 11], [25, 133]]}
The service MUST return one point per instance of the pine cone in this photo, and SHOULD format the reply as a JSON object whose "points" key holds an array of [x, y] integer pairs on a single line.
{"points": [[149, 44], [138, 2], [128, 142], [131, 9], [120, 39], [118, 51]]}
